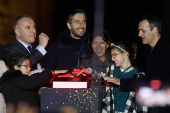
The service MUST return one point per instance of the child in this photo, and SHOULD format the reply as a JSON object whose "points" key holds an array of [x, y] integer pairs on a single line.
{"points": [[117, 100], [17, 86]]}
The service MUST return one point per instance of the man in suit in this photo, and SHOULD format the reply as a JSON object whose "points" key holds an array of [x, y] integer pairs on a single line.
{"points": [[25, 33]]}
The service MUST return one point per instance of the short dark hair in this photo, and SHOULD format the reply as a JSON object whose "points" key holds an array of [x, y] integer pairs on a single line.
{"points": [[153, 22], [69, 19], [19, 17]]}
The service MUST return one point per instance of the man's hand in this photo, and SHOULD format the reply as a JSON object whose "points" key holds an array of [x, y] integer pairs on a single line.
{"points": [[43, 40], [60, 71], [112, 79]]}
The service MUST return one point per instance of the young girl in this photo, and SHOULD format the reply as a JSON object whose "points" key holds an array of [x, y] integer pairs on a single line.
{"points": [[17, 86], [117, 100]]}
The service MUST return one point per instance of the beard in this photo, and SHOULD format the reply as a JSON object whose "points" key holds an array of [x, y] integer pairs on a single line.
{"points": [[77, 34]]}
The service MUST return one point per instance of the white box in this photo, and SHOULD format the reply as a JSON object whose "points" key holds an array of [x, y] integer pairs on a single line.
{"points": [[61, 84]]}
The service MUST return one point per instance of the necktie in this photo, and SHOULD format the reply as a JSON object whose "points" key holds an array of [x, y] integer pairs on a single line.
{"points": [[30, 49]]}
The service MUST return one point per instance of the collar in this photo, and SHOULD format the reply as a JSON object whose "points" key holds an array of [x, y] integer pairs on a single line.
{"points": [[25, 45]]}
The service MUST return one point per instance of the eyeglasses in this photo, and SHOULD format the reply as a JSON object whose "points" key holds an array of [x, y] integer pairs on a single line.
{"points": [[115, 54], [27, 66]]}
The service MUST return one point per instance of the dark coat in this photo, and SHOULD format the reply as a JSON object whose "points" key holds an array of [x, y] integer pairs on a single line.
{"points": [[157, 66], [15, 47], [63, 54], [157, 61], [17, 87]]}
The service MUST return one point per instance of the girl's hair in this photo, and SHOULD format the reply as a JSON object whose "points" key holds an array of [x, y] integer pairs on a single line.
{"points": [[123, 46], [15, 59], [103, 34]]}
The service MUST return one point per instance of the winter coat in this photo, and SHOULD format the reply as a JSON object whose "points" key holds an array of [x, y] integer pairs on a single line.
{"points": [[17, 87], [63, 54]]}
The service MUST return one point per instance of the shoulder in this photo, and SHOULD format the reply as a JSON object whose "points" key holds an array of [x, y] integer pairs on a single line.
{"points": [[10, 75], [84, 55], [63, 37], [13, 44], [163, 43], [139, 73], [54, 44]]}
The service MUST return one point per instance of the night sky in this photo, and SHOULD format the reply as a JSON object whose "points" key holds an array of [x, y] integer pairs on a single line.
{"points": [[121, 18]]}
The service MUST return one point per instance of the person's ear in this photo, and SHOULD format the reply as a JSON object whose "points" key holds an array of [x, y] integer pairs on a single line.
{"points": [[16, 67], [17, 32], [68, 25], [107, 45], [126, 54], [155, 29]]}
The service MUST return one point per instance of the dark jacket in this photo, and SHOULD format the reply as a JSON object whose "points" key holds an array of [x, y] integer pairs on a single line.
{"points": [[15, 47], [65, 53], [157, 66], [158, 60], [17, 87]]}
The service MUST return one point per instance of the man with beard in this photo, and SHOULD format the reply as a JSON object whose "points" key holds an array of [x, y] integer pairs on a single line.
{"points": [[65, 53], [25, 33]]}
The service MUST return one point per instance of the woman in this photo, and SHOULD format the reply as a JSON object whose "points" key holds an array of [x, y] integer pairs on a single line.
{"points": [[97, 57], [17, 86], [117, 100]]}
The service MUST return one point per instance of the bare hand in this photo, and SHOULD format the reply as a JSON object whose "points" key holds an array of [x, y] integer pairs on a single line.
{"points": [[35, 71], [60, 71], [112, 79], [43, 40]]}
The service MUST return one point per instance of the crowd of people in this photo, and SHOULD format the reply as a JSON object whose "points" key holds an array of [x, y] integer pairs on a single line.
{"points": [[103, 62]]}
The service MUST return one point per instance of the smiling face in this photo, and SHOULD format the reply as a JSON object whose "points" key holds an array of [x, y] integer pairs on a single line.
{"points": [[25, 30], [99, 47], [118, 57], [25, 67], [77, 26]]}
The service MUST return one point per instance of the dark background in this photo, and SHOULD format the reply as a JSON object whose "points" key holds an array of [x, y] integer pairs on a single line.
{"points": [[121, 18]]}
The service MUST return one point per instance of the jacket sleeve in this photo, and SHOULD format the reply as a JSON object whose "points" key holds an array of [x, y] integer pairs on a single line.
{"points": [[131, 84], [35, 81], [51, 58], [35, 56], [16, 47]]}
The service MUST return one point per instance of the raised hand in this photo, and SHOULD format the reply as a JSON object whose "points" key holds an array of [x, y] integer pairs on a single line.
{"points": [[43, 40]]}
